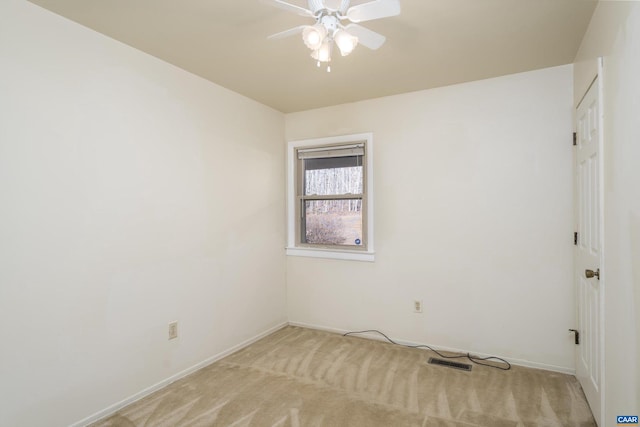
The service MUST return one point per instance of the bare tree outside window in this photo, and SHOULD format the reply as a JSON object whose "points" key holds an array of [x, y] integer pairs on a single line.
{"points": [[334, 222]]}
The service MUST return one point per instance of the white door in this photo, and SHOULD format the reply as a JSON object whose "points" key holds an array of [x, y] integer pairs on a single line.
{"points": [[589, 366]]}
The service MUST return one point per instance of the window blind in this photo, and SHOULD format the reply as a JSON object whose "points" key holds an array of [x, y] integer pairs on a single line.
{"points": [[325, 153]]}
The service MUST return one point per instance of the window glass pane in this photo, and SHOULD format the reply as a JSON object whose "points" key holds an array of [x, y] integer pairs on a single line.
{"points": [[333, 222], [333, 176]]}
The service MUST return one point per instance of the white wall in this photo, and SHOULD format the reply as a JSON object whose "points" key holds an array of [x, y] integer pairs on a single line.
{"points": [[614, 33], [473, 215], [122, 208]]}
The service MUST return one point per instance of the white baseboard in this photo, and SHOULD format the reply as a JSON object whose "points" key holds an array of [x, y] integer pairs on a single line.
{"points": [[518, 362], [147, 391]]}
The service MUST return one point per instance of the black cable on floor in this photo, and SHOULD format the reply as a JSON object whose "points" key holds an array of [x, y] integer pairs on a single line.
{"points": [[473, 359]]}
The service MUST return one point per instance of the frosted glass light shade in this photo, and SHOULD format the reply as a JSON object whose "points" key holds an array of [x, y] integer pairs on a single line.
{"points": [[313, 36], [324, 53], [345, 41]]}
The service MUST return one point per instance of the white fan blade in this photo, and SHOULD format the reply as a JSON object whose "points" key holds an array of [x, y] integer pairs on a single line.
{"points": [[287, 33], [374, 10], [288, 6], [333, 4], [366, 37]]}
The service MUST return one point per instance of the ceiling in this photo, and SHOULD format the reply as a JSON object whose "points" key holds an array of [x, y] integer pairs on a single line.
{"points": [[431, 43]]}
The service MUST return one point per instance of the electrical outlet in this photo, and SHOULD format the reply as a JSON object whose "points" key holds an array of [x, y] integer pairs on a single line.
{"points": [[173, 330], [417, 306]]}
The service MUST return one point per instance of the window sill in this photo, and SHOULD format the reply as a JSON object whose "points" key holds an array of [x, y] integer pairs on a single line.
{"points": [[332, 254]]}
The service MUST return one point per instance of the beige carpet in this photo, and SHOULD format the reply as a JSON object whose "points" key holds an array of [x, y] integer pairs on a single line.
{"points": [[302, 377]]}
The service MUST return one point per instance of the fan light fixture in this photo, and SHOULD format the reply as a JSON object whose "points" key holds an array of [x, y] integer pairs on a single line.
{"points": [[321, 37], [328, 29]]}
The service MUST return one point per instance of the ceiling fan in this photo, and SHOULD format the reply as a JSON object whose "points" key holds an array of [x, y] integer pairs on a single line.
{"points": [[329, 28]]}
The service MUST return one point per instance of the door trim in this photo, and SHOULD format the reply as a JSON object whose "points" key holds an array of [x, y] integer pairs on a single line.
{"points": [[603, 275]]}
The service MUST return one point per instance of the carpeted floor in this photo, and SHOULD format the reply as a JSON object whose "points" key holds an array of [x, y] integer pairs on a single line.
{"points": [[302, 377]]}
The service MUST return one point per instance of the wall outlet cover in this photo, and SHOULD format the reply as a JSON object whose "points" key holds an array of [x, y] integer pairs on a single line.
{"points": [[417, 306], [173, 330]]}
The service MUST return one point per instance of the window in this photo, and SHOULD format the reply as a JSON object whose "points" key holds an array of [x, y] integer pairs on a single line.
{"points": [[330, 198]]}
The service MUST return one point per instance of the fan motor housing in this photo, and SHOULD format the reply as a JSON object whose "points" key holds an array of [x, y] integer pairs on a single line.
{"points": [[330, 22]]}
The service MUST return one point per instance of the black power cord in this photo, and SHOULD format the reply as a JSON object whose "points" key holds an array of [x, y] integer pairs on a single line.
{"points": [[473, 359]]}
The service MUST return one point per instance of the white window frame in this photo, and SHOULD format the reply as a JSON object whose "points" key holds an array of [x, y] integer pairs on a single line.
{"points": [[318, 252]]}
